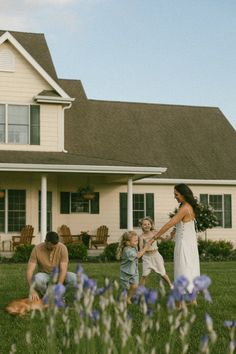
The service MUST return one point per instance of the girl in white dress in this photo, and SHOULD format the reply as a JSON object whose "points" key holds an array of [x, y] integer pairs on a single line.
{"points": [[186, 257], [152, 260]]}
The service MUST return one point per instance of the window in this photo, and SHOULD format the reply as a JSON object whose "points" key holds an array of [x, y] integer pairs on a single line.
{"points": [[221, 203], [49, 211], [16, 210], [20, 124], [72, 203], [143, 205]]}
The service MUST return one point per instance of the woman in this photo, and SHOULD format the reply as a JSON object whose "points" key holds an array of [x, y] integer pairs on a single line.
{"points": [[186, 257]]}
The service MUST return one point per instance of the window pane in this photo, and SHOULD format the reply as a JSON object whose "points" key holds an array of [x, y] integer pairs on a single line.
{"points": [[16, 210], [78, 204], [18, 134], [2, 133], [138, 201], [18, 124], [2, 113], [18, 115], [137, 215], [2, 123], [138, 208], [216, 201]]}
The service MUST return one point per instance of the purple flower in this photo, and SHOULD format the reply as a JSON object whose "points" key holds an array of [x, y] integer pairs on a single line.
{"points": [[171, 302], [202, 282], [204, 342], [207, 295], [230, 324], [59, 290], [151, 296], [181, 283], [90, 284], [59, 302], [79, 269], [95, 315]]}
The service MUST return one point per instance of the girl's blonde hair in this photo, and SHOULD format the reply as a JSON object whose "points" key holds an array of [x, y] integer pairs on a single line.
{"points": [[126, 237], [148, 219]]}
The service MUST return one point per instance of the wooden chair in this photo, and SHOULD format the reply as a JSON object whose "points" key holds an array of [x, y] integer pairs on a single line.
{"points": [[66, 236], [25, 238], [100, 239]]}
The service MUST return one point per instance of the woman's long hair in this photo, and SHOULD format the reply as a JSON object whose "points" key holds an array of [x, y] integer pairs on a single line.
{"points": [[123, 242], [187, 193]]}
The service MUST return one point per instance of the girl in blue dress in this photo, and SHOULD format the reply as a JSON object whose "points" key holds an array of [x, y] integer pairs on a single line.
{"points": [[129, 255]]}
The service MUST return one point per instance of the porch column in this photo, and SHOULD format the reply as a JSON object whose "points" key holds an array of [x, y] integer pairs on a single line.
{"points": [[43, 207], [130, 204]]}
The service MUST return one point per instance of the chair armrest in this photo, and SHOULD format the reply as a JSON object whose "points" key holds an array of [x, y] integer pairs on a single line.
{"points": [[14, 238]]}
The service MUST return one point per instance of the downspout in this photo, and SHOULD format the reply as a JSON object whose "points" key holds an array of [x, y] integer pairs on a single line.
{"points": [[63, 126]]}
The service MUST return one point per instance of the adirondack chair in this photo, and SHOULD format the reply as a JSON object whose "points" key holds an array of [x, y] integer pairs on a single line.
{"points": [[100, 239], [66, 236], [25, 237]]}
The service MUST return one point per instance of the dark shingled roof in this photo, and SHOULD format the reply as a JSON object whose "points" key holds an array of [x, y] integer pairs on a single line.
{"points": [[36, 45], [192, 142]]}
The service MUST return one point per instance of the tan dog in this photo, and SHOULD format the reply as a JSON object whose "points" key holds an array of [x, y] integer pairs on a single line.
{"points": [[22, 306]]}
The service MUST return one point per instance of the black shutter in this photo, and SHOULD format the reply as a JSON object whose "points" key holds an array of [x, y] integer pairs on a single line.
{"points": [[95, 204], [227, 211], [150, 205], [204, 199], [34, 125], [123, 210], [65, 203]]}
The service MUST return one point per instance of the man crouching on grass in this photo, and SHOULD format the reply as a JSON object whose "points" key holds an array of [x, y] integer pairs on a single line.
{"points": [[48, 255]]}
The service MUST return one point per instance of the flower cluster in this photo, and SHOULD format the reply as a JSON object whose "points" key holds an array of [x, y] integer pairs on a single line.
{"points": [[206, 218], [100, 318]]}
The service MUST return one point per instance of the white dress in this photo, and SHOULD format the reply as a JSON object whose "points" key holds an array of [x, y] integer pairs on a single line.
{"points": [[186, 257], [153, 261]]}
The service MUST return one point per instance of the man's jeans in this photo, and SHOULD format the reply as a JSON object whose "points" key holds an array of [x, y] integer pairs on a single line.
{"points": [[41, 281]]}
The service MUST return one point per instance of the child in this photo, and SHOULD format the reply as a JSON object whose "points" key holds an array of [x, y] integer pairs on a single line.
{"points": [[152, 259], [127, 251]]}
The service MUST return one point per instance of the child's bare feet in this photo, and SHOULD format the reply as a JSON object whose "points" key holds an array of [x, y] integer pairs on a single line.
{"points": [[129, 301]]}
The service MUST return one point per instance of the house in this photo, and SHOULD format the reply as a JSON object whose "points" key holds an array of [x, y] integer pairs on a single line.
{"points": [[53, 139]]}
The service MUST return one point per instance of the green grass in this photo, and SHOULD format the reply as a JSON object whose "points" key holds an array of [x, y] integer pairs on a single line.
{"points": [[223, 289]]}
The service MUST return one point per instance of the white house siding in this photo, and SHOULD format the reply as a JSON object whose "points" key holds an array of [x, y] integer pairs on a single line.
{"points": [[109, 203], [20, 87]]}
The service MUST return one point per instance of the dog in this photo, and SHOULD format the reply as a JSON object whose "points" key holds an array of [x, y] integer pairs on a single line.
{"points": [[21, 306]]}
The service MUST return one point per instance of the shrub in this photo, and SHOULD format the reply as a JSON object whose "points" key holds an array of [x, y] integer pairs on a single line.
{"points": [[166, 249], [109, 253], [78, 252], [215, 250], [22, 253]]}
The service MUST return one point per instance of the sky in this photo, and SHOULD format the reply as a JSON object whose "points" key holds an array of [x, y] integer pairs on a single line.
{"points": [[155, 51]]}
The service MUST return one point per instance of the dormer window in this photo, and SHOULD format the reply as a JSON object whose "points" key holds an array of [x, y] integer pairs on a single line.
{"points": [[19, 124], [7, 60]]}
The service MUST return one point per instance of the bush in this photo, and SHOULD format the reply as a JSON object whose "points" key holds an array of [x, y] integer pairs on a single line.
{"points": [[215, 250], [166, 249], [22, 253], [78, 252], [109, 253]]}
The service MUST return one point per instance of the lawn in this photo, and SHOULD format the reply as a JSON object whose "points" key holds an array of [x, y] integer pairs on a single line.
{"points": [[223, 289]]}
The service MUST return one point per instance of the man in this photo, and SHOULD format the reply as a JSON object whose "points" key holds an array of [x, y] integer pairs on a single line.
{"points": [[48, 255]]}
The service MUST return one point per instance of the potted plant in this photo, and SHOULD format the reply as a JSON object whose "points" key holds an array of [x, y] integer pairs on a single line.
{"points": [[86, 192]]}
